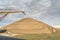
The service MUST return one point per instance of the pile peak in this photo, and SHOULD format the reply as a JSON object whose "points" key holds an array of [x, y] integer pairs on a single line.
{"points": [[29, 26]]}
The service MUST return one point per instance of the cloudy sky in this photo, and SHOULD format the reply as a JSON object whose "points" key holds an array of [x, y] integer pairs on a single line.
{"points": [[47, 11]]}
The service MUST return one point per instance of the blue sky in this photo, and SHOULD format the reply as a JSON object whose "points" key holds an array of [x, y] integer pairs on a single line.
{"points": [[47, 11]]}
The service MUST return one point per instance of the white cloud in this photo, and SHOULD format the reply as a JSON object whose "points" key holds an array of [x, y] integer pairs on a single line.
{"points": [[1, 7], [33, 9], [36, 8], [56, 26], [46, 3]]}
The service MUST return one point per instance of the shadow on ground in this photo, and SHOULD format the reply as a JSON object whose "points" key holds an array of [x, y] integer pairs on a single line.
{"points": [[9, 38]]}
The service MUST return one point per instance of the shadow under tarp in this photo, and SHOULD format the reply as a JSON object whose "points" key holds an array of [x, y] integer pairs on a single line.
{"points": [[9, 38], [2, 31]]}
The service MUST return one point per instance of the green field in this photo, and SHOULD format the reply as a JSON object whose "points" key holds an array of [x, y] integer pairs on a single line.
{"points": [[39, 36]]}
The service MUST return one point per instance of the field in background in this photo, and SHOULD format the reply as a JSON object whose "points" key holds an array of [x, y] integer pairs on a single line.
{"points": [[53, 36], [39, 36]]}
